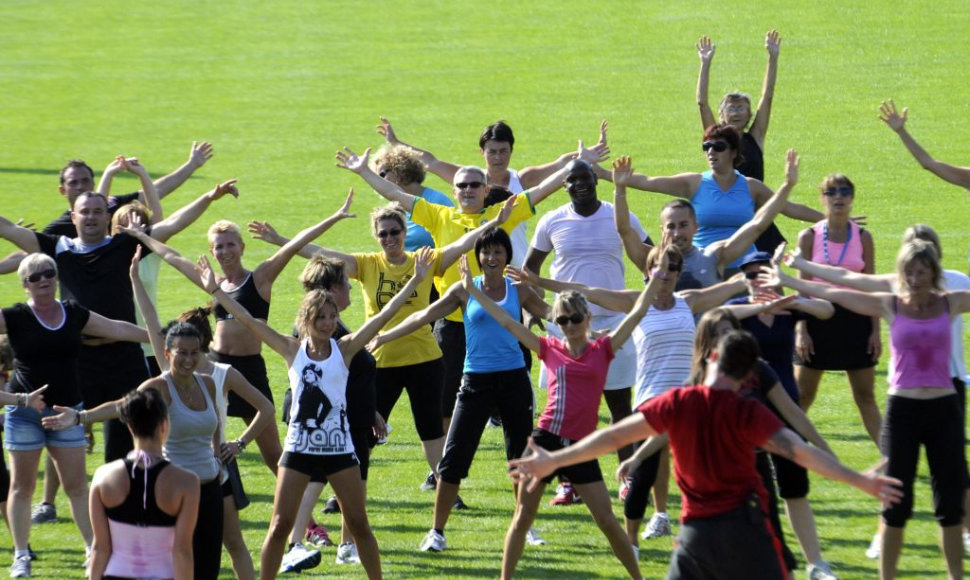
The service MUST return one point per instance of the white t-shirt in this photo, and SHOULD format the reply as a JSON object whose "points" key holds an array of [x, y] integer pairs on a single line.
{"points": [[588, 249], [520, 243]]}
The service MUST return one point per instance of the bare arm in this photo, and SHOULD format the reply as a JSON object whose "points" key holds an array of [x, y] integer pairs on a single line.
{"points": [[10, 264], [101, 547], [549, 185], [20, 236], [187, 214], [148, 194], [796, 417], [897, 122], [530, 176], [265, 231], [632, 244], [237, 383], [115, 329], [705, 50], [453, 298], [703, 299], [622, 333], [787, 444], [840, 276], [878, 304], [616, 300], [682, 185], [198, 155], [148, 313], [649, 447], [759, 127], [520, 331], [446, 171], [464, 244], [350, 161], [167, 254], [185, 528]]}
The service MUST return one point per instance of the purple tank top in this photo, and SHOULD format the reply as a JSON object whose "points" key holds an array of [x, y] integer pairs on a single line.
{"points": [[920, 350]]}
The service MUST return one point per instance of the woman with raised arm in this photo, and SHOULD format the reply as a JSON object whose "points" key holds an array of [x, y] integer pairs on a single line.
{"points": [[577, 376], [414, 363], [723, 198], [45, 334], [318, 442], [922, 408], [897, 122], [227, 379], [664, 345], [495, 374], [847, 341], [143, 508]]}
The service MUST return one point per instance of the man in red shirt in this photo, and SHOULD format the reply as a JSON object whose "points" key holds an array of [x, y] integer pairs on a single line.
{"points": [[713, 433]]}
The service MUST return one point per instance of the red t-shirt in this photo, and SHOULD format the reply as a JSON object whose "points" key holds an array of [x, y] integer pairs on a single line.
{"points": [[575, 386], [713, 436]]}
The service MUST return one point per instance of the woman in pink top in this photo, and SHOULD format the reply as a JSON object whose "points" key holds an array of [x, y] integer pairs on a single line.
{"points": [[848, 341], [577, 374], [922, 408]]}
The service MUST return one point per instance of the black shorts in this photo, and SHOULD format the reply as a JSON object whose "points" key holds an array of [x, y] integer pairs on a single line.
{"points": [[318, 467], [510, 392], [423, 384], [840, 342], [253, 367], [451, 340], [587, 472]]}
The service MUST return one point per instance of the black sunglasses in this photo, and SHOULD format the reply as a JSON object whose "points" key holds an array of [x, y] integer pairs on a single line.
{"points": [[469, 185], [718, 146], [385, 233], [43, 275], [752, 275], [575, 318], [842, 190]]}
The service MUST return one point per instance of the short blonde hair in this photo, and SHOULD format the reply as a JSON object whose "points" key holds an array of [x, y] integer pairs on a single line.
{"points": [[222, 227], [570, 300], [35, 262], [122, 214]]}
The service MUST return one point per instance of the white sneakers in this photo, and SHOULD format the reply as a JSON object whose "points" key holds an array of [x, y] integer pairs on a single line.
{"points": [[433, 542], [657, 527], [347, 554], [299, 558]]}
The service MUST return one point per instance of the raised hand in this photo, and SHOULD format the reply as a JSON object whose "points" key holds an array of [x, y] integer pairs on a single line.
{"points": [[135, 259], [595, 154], [30, 226], [385, 129], [344, 211], [134, 166], [792, 258], [266, 232], [206, 275], [200, 153], [773, 42], [133, 223], [705, 49], [791, 167], [603, 127], [506, 211], [520, 276], [889, 116], [465, 272], [622, 170], [423, 259], [349, 160], [226, 187]]}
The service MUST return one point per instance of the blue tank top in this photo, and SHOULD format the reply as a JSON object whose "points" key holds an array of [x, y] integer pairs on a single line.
{"points": [[720, 213], [490, 348]]}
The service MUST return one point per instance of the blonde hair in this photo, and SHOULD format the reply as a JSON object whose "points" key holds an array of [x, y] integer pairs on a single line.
{"points": [[392, 211], [311, 306], [35, 262], [122, 214], [322, 272], [925, 233], [222, 227], [572, 301], [921, 251]]}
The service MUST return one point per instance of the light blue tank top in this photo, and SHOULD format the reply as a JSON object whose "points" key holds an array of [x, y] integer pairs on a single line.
{"points": [[490, 348], [720, 213], [189, 444]]}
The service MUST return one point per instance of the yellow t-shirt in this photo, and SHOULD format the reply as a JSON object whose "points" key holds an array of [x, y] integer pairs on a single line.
{"points": [[380, 281], [448, 224]]}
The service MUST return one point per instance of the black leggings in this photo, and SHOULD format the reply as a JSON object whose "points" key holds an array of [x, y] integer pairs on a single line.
{"points": [[423, 384], [207, 538], [641, 480]]}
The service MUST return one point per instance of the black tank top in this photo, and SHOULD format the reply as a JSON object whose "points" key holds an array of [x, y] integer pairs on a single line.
{"points": [[139, 508], [248, 296]]}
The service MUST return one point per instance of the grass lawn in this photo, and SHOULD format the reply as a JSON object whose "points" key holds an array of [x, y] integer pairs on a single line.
{"points": [[279, 86]]}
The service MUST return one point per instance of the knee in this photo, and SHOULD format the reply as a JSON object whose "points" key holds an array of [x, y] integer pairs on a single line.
{"points": [[23, 486], [280, 527], [897, 515]]}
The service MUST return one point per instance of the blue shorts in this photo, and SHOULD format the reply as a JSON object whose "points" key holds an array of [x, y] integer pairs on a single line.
{"points": [[24, 432]]}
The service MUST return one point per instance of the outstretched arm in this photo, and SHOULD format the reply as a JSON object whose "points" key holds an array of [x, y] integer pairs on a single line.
{"points": [[703, 299], [20, 236], [790, 446], [166, 253], [350, 161], [705, 50], [350, 344], [682, 185], [759, 127], [121, 330], [632, 244], [286, 346], [461, 246], [525, 336], [616, 300], [453, 298], [149, 194], [187, 214], [649, 447], [531, 176], [266, 273], [446, 171], [199, 153], [897, 122], [878, 304], [622, 332], [840, 276], [796, 417]]}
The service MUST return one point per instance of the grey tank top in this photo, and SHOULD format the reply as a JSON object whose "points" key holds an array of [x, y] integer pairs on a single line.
{"points": [[189, 444]]}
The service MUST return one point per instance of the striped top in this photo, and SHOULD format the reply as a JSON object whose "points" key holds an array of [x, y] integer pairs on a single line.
{"points": [[575, 386], [665, 344]]}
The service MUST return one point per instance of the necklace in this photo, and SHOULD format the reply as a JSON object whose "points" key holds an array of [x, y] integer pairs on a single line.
{"points": [[825, 244]]}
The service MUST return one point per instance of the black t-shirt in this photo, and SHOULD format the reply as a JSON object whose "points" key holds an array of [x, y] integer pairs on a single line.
{"points": [[757, 386], [46, 356], [63, 226], [96, 276], [777, 343], [361, 386]]}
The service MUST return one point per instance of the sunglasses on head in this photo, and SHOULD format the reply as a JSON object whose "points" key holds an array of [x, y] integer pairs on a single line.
{"points": [[842, 190], [718, 146], [43, 275], [385, 233], [575, 318], [469, 185]]}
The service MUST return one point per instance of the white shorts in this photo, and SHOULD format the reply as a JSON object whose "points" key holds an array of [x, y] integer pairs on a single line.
{"points": [[623, 368]]}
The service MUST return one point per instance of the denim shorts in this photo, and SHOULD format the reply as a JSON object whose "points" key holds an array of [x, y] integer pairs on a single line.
{"points": [[23, 431]]}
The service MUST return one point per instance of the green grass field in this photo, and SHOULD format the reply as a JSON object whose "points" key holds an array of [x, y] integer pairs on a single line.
{"points": [[279, 86]]}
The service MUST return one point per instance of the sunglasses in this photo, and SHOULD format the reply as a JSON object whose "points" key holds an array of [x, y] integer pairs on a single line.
{"points": [[718, 146], [44, 275], [842, 190], [383, 172], [388, 233], [752, 275], [469, 185], [575, 318]]}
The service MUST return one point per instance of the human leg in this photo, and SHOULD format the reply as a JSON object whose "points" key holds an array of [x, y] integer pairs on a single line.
{"points": [[305, 511], [597, 500], [290, 485], [207, 538], [235, 544], [350, 492], [526, 508], [618, 402], [808, 380], [23, 479], [70, 465], [863, 383]]}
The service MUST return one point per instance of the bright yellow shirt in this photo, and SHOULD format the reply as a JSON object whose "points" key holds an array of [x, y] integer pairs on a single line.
{"points": [[448, 224], [380, 281]]}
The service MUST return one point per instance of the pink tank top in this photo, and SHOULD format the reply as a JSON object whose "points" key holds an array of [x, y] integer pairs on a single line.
{"points": [[846, 255], [920, 350]]}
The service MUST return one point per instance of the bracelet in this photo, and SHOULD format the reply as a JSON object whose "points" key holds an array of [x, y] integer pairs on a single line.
{"points": [[241, 444], [82, 417], [23, 399]]}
